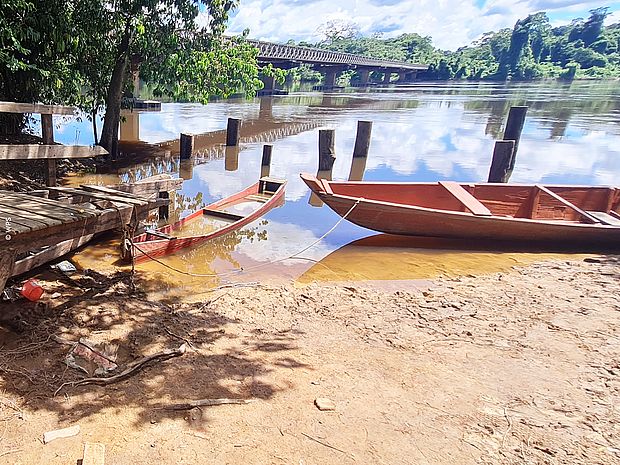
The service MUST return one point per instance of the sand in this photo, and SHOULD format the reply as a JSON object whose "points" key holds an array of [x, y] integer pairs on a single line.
{"points": [[513, 367]]}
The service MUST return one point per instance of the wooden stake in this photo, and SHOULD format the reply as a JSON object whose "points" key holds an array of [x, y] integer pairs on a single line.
{"points": [[47, 129], [164, 211], [327, 153], [232, 132], [514, 127], [362, 139], [7, 261], [500, 170], [265, 166], [186, 143]]}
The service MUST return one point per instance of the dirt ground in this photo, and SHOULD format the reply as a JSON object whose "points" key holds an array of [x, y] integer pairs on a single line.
{"points": [[520, 367]]}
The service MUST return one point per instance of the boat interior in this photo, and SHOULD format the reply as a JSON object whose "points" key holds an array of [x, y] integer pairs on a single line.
{"points": [[580, 204]]}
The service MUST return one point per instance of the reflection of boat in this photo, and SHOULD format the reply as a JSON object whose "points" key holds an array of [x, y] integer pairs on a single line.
{"points": [[571, 214], [384, 257], [221, 218]]}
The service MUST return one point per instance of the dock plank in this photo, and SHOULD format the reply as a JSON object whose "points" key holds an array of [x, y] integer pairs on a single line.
{"points": [[40, 152], [51, 214], [19, 197], [26, 218]]}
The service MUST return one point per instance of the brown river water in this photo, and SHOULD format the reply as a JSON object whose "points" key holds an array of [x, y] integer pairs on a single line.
{"points": [[423, 132]]}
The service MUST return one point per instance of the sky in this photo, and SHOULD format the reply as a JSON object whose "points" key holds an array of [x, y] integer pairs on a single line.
{"points": [[451, 23]]}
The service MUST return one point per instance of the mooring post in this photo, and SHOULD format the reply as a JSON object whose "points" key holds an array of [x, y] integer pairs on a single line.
{"points": [[186, 145], [500, 170], [232, 132], [514, 127], [47, 130], [362, 139], [231, 158], [265, 165], [164, 210], [327, 153]]}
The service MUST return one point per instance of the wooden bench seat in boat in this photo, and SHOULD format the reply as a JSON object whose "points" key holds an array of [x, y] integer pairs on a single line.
{"points": [[605, 218], [469, 201]]}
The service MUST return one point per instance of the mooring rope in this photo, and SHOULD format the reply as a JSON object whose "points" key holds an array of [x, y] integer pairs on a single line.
{"points": [[294, 256]]}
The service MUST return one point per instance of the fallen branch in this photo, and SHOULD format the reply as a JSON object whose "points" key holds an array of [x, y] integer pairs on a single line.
{"points": [[206, 403], [130, 370], [324, 443]]}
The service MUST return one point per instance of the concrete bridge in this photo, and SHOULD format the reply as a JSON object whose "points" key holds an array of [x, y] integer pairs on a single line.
{"points": [[331, 63]]}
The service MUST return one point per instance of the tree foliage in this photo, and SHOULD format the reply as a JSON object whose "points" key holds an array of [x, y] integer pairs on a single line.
{"points": [[532, 49], [85, 52]]}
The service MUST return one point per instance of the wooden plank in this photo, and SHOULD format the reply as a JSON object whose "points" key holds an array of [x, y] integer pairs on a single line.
{"points": [[15, 107], [94, 454], [50, 253], [589, 218], [469, 201], [101, 196], [33, 220], [106, 220], [222, 214], [39, 152], [7, 259], [18, 199], [150, 187], [605, 218], [110, 192], [32, 205]]}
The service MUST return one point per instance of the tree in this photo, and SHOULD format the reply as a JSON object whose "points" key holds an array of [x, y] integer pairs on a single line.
{"points": [[181, 57]]}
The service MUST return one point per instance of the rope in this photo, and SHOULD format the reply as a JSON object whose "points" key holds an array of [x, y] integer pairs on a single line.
{"points": [[295, 256]]}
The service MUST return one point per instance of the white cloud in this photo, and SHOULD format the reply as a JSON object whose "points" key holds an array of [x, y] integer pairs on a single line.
{"points": [[451, 23]]}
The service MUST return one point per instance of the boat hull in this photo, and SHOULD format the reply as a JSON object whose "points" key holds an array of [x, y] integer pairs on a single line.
{"points": [[393, 218]]}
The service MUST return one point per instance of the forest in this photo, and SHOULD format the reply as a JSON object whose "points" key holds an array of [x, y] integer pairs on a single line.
{"points": [[533, 49]]}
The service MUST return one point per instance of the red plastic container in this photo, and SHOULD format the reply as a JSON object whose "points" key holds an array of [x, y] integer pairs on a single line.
{"points": [[31, 290]]}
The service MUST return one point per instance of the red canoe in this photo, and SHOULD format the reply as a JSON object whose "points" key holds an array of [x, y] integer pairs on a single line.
{"points": [[266, 194], [530, 213]]}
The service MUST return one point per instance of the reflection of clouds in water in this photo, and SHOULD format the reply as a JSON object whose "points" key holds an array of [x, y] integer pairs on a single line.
{"points": [[285, 239], [191, 118]]}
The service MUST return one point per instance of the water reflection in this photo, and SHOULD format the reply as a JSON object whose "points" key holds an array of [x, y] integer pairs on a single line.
{"points": [[423, 132], [384, 257]]}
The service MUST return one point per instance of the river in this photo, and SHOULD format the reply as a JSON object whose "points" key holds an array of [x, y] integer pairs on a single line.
{"points": [[422, 132]]}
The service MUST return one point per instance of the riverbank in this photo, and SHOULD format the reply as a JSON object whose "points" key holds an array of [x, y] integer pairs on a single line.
{"points": [[514, 367]]}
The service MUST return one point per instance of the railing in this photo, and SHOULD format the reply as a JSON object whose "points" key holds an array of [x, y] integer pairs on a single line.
{"points": [[271, 51]]}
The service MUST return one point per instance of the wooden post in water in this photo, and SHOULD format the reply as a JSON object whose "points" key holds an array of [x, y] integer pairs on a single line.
{"points": [[500, 170], [514, 127], [186, 145], [164, 211], [47, 129], [231, 158], [327, 153], [265, 165], [362, 139], [232, 132]]}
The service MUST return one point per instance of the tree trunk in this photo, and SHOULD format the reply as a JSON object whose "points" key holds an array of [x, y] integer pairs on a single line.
{"points": [[94, 113], [111, 120], [109, 133]]}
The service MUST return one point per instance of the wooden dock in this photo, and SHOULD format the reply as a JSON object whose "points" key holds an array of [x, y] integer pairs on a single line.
{"points": [[29, 222]]}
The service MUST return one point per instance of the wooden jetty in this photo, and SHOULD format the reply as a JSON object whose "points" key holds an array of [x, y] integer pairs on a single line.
{"points": [[48, 151], [63, 218]]}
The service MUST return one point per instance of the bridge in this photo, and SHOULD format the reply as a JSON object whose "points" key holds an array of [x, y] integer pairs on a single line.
{"points": [[332, 63]]}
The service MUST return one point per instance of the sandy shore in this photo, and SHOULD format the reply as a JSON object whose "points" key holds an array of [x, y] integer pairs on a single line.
{"points": [[516, 367]]}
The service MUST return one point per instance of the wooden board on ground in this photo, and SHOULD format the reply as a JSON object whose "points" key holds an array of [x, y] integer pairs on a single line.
{"points": [[94, 454], [39, 152], [149, 187]]}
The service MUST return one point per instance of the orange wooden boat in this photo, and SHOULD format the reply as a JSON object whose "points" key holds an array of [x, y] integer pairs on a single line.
{"points": [[221, 216], [529, 213]]}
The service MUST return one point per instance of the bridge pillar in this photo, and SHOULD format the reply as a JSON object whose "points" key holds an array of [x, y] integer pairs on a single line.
{"points": [[364, 76], [330, 77], [386, 77]]}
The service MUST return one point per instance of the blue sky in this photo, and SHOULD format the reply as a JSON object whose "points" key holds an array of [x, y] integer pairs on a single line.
{"points": [[451, 23]]}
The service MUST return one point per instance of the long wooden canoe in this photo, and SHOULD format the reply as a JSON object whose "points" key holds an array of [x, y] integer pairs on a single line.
{"points": [[529, 213], [263, 196]]}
